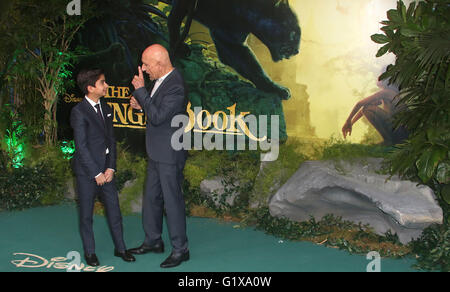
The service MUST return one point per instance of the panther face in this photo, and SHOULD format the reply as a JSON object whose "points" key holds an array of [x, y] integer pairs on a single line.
{"points": [[280, 32]]}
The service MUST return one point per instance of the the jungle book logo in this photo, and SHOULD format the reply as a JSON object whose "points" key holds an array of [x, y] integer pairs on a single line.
{"points": [[201, 121], [70, 263], [202, 130], [118, 98]]}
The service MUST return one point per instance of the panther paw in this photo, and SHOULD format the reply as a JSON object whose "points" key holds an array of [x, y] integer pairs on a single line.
{"points": [[283, 92]]}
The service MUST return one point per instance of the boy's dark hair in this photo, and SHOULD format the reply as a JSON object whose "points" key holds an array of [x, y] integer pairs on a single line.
{"points": [[88, 77]]}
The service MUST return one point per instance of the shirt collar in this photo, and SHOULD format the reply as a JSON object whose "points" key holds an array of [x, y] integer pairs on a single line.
{"points": [[91, 102], [164, 77]]}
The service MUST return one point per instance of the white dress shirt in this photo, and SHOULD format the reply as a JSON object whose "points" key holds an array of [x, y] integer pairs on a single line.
{"points": [[91, 102], [158, 83]]}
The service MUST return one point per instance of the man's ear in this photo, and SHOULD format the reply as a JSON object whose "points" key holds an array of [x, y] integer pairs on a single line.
{"points": [[90, 88]]}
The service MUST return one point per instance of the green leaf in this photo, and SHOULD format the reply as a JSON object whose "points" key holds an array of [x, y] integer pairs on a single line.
{"points": [[380, 38], [411, 8], [394, 16], [428, 161], [409, 32], [383, 50], [443, 173], [402, 10]]}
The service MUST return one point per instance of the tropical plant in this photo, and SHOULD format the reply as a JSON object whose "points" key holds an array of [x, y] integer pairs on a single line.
{"points": [[419, 36], [39, 37], [12, 136]]}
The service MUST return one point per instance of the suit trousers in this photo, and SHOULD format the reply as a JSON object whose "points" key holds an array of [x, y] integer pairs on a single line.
{"points": [[87, 192], [163, 190]]}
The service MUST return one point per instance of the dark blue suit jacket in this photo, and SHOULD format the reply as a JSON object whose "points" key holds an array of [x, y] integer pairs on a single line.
{"points": [[92, 138], [168, 101]]}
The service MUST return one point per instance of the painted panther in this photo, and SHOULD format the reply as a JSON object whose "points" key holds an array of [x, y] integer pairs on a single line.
{"points": [[230, 22]]}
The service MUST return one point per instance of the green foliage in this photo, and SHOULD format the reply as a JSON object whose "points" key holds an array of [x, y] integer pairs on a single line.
{"points": [[433, 248], [13, 138], [130, 167], [39, 182], [242, 174], [202, 165], [23, 187], [274, 174], [330, 231], [420, 38], [38, 58], [59, 170], [339, 149], [237, 170], [68, 149]]}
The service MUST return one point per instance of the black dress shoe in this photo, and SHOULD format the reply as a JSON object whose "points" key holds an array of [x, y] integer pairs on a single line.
{"points": [[92, 260], [175, 259], [143, 249], [126, 256]]}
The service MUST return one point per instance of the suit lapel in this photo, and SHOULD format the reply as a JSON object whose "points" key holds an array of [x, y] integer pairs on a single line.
{"points": [[92, 113], [164, 83], [106, 109]]}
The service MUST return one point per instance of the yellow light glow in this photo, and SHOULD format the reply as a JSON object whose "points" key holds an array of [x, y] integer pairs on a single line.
{"points": [[337, 58]]}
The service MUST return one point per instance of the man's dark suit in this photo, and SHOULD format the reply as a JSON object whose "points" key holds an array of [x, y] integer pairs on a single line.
{"points": [[92, 138], [163, 187]]}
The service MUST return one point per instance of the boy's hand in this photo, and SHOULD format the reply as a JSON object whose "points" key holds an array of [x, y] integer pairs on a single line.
{"points": [[101, 179], [109, 175]]}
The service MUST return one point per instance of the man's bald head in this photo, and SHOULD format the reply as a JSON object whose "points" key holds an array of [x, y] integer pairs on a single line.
{"points": [[156, 61]]}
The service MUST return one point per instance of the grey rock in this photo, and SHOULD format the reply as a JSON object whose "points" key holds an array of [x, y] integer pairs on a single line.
{"points": [[357, 193], [129, 183], [136, 204], [215, 189]]}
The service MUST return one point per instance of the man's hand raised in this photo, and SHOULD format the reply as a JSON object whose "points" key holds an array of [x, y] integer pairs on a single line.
{"points": [[138, 81]]}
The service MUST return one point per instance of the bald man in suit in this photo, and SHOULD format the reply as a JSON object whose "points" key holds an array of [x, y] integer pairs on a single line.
{"points": [[163, 188]]}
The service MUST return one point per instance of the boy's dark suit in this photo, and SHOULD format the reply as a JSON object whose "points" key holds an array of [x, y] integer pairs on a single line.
{"points": [[165, 169], [92, 137]]}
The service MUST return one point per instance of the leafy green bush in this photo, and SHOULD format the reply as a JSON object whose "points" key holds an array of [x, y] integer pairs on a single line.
{"points": [[129, 167], [23, 187], [336, 149], [420, 38], [237, 170], [330, 231], [59, 170], [13, 136], [433, 248], [29, 176]]}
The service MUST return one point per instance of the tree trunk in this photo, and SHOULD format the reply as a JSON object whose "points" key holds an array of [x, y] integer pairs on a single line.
{"points": [[50, 116]]}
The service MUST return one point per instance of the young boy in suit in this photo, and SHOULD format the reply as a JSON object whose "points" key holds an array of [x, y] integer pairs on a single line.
{"points": [[94, 163]]}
